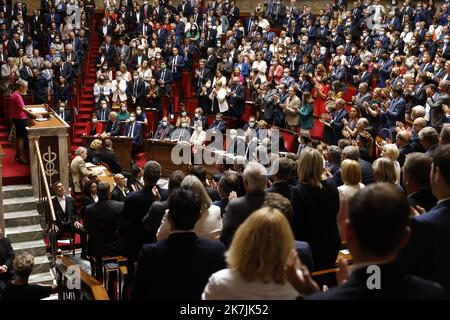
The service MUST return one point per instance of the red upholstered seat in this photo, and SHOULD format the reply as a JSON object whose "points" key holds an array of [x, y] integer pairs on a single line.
{"points": [[290, 140], [350, 91]]}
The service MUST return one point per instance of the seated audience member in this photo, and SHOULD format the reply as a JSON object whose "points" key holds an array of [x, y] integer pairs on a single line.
{"points": [[352, 153], [429, 138], [93, 127], [152, 220], [90, 193], [316, 205], [67, 218], [102, 220], [416, 181], [183, 118], [93, 153], [6, 262], [19, 288], [277, 201], [110, 158], [425, 255], [178, 267], [199, 118], [228, 183], [238, 210], [200, 172], [209, 224], [164, 130], [218, 124], [369, 214], [64, 113], [256, 268], [135, 182], [280, 183], [113, 126], [120, 191]]}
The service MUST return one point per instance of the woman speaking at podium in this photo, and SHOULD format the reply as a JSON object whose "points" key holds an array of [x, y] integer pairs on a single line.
{"points": [[19, 118]]}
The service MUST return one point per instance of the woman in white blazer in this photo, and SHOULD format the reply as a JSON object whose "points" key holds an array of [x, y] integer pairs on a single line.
{"points": [[119, 89], [219, 98]]}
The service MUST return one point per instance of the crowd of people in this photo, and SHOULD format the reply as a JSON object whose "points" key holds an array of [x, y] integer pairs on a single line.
{"points": [[376, 183]]}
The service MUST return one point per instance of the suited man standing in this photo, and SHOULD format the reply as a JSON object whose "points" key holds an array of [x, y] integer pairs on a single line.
{"points": [[437, 115], [280, 182], [368, 214], [120, 191], [425, 255], [110, 158], [133, 130], [337, 120], [158, 274], [123, 52], [102, 220], [176, 65], [237, 211], [136, 90], [67, 219], [237, 98], [135, 208], [396, 111], [416, 181]]}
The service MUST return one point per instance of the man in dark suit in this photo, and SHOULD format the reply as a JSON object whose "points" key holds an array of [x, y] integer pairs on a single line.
{"points": [[337, 120], [237, 98], [63, 69], [102, 220], [6, 261], [176, 65], [136, 89], [211, 62], [103, 112], [135, 208], [63, 113], [376, 275], [280, 182], [164, 130], [416, 181], [404, 147], [165, 78], [229, 182], [238, 210], [396, 111], [120, 191], [133, 130], [138, 58], [110, 158], [178, 267], [437, 115], [110, 50], [67, 219], [104, 30], [218, 124], [155, 214], [113, 126], [426, 255]]}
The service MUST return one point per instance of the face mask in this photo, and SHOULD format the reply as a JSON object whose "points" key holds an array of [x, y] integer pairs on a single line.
{"points": [[183, 114], [164, 123], [132, 119], [396, 51], [199, 129], [124, 109], [208, 85], [348, 41], [118, 78], [197, 115], [104, 106], [382, 33], [333, 34], [446, 41], [422, 49], [251, 124], [184, 125], [61, 109], [233, 136], [139, 111], [158, 57], [94, 120], [136, 77]]}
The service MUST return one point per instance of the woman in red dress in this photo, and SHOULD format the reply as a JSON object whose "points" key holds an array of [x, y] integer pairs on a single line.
{"points": [[320, 94]]}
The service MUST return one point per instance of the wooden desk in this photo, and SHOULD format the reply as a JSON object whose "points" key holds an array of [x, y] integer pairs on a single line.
{"points": [[104, 176], [121, 146], [161, 151]]}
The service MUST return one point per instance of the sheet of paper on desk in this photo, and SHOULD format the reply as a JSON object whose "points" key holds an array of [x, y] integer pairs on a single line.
{"points": [[41, 119], [90, 165], [37, 110]]}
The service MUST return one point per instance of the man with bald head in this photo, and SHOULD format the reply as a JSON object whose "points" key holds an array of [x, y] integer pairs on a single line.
{"points": [[404, 147], [120, 191], [113, 126], [418, 125], [237, 98]]}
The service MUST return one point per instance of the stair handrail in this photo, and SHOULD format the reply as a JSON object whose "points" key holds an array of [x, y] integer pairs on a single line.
{"points": [[48, 195]]}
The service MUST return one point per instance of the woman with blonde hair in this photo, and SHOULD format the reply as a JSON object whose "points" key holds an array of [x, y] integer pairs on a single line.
{"points": [[209, 226], [390, 151], [351, 177], [93, 153], [316, 204], [384, 170], [256, 267]]}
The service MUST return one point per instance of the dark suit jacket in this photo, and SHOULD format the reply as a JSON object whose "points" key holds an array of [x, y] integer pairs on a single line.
{"points": [[113, 128], [118, 195], [424, 199], [136, 134], [238, 102], [315, 212], [237, 212], [137, 90], [135, 208], [395, 285], [426, 255], [176, 268], [102, 220], [304, 253], [112, 161], [281, 187], [153, 218], [67, 217], [6, 258], [403, 152]]}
